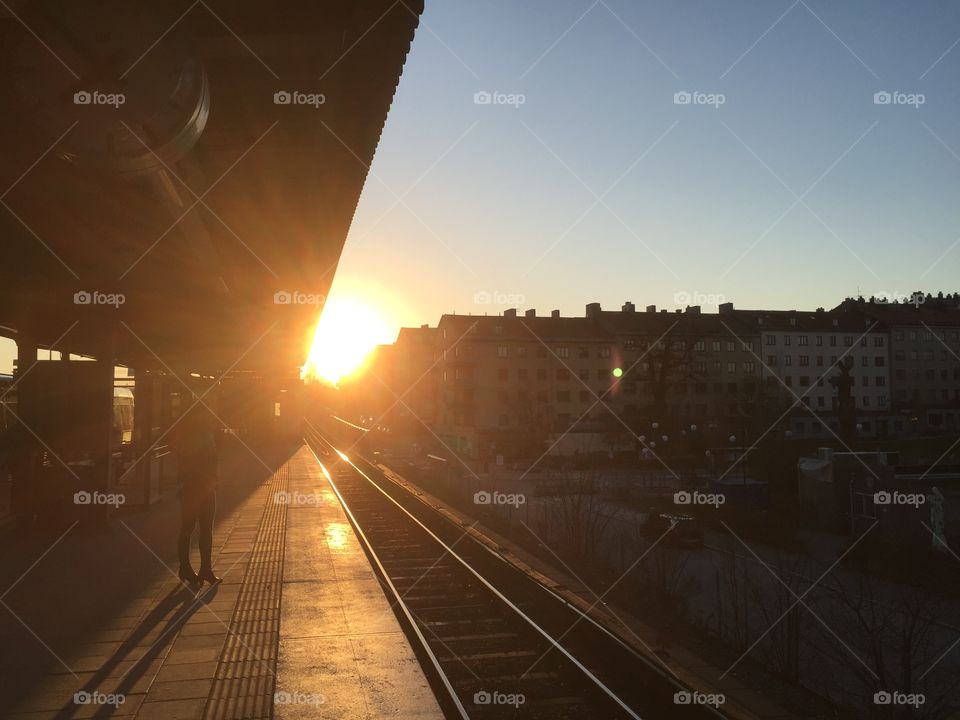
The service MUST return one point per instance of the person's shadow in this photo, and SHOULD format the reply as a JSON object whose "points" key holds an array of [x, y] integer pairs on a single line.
{"points": [[180, 603]]}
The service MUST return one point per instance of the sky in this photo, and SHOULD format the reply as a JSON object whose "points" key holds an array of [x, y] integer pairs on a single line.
{"points": [[783, 183]]}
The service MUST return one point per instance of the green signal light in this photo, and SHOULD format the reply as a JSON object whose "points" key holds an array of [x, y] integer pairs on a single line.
{"points": [[618, 372]]}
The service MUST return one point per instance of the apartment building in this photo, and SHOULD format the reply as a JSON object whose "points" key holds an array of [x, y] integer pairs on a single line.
{"points": [[924, 358], [801, 353], [501, 376], [486, 382]]}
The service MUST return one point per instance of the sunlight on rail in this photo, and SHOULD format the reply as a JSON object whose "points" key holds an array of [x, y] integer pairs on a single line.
{"points": [[343, 456]]}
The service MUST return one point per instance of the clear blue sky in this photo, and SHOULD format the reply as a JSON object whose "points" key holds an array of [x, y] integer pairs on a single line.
{"points": [[506, 198], [507, 207]]}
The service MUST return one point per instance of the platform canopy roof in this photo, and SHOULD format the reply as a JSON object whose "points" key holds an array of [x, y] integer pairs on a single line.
{"points": [[200, 161]]}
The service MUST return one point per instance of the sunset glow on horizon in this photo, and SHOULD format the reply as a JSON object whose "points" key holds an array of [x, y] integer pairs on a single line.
{"points": [[347, 332]]}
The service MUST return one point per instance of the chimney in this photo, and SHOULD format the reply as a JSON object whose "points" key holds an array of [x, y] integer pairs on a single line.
{"points": [[593, 310], [725, 308], [651, 308], [510, 312], [628, 307], [692, 310], [531, 313], [424, 326], [554, 313]]}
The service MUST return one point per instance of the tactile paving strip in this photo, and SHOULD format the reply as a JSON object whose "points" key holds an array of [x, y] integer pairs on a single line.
{"points": [[246, 674]]}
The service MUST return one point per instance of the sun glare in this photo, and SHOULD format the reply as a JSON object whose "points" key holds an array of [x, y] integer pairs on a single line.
{"points": [[347, 332]]}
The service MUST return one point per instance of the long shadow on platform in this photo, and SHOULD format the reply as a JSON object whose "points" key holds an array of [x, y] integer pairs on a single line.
{"points": [[182, 603], [100, 574]]}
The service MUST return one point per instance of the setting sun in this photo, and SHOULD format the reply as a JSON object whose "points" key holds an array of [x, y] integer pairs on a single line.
{"points": [[347, 332]]}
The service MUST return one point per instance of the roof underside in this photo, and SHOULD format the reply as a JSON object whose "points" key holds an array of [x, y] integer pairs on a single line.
{"points": [[203, 194]]}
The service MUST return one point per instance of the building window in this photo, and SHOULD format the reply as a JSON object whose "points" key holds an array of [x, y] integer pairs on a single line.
{"points": [[749, 366], [878, 341], [847, 341], [804, 360], [699, 346], [604, 353], [788, 360], [786, 339], [563, 374], [498, 329], [771, 340], [541, 373], [772, 360], [563, 396], [819, 340], [731, 367], [804, 340], [715, 346], [563, 352], [731, 346], [522, 351], [833, 341], [502, 351]]}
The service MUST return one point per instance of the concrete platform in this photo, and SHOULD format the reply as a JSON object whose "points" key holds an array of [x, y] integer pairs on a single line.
{"points": [[342, 652], [299, 627]]}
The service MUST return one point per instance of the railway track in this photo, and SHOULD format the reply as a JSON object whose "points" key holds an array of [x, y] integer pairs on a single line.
{"points": [[495, 643]]}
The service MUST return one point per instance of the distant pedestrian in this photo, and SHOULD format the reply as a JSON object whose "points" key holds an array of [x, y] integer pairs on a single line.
{"points": [[196, 441]]}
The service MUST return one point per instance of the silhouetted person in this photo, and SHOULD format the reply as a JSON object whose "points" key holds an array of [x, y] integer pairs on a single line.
{"points": [[196, 444]]}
